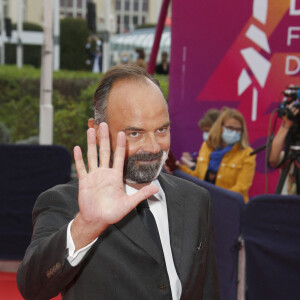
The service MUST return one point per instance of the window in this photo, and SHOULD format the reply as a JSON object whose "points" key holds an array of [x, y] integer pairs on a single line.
{"points": [[136, 5], [65, 3], [135, 20], [79, 3], [126, 20], [118, 23], [126, 23], [145, 5], [127, 5], [118, 4]]}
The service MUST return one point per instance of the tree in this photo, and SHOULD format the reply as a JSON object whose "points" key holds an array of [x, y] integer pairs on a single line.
{"points": [[73, 37]]}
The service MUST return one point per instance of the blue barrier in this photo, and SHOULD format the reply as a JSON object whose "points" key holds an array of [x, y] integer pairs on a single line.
{"points": [[227, 211], [26, 171], [271, 230]]}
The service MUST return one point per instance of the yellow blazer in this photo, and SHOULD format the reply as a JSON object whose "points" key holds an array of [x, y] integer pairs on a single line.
{"points": [[236, 169]]}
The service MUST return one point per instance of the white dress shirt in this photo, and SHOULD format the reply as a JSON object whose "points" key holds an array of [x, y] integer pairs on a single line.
{"points": [[158, 207]]}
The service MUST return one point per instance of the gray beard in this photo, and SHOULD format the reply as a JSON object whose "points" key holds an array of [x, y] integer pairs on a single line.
{"points": [[135, 173]]}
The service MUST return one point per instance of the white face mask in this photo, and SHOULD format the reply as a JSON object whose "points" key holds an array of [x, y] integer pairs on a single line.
{"points": [[205, 135], [135, 56], [231, 137]]}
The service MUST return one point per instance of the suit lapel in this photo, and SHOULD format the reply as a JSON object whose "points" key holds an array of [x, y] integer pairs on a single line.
{"points": [[175, 205], [135, 230]]}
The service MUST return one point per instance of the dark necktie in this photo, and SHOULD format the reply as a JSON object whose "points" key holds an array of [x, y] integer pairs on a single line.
{"points": [[148, 219]]}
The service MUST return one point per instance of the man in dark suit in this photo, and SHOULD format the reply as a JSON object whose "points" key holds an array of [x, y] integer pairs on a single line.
{"points": [[163, 66], [91, 239], [95, 56]]}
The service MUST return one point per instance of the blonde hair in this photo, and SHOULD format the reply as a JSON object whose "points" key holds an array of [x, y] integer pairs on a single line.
{"points": [[215, 134]]}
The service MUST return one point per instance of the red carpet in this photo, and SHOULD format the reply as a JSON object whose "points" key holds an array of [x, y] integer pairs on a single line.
{"points": [[9, 289]]}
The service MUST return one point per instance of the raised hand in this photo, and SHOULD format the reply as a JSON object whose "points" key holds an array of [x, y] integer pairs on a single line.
{"points": [[101, 198]]}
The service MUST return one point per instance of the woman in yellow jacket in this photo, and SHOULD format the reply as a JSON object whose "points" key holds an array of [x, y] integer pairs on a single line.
{"points": [[224, 159]]}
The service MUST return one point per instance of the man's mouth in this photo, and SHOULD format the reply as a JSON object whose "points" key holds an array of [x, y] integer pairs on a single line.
{"points": [[147, 162], [144, 167]]}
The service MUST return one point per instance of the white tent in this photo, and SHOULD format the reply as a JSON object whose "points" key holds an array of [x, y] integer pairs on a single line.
{"points": [[125, 44]]}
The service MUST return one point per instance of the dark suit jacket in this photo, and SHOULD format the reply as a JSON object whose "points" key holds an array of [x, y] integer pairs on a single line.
{"points": [[124, 263]]}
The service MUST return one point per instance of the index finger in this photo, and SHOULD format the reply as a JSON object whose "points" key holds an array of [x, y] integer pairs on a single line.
{"points": [[80, 166]]}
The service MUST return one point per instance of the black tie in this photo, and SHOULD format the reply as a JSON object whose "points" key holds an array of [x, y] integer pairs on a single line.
{"points": [[149, 221]]}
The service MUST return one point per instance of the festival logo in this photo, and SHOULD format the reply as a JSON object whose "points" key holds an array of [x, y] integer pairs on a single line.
{"points": [[262, 61]]}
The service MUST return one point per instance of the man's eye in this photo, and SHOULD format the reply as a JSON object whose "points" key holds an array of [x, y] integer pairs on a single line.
{"points": [[162, 130], [134, 134]]}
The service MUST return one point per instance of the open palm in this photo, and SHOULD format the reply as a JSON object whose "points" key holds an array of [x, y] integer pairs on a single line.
{"points": [[102, 199]]}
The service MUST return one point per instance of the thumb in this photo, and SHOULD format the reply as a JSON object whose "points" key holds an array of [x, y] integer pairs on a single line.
{"points": [[143, 194]]}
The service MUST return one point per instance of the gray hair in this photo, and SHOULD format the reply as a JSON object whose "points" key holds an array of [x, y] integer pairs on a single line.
{"points": [[113, 75]]}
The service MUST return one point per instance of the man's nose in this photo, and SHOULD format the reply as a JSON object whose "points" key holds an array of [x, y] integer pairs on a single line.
{"points": [[151, 144]]}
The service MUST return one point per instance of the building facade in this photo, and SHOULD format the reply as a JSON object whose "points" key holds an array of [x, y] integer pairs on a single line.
{"points": [[124, 16]]}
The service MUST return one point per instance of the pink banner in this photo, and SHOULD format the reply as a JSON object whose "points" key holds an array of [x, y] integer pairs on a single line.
{"points": [[240, 54]]}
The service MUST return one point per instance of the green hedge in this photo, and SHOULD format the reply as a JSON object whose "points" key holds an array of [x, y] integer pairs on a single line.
{"points": [[73, 37], [29, 26], [31, 53], [72, 102]]}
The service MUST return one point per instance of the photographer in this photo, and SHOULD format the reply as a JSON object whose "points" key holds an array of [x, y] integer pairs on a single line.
{"points": [[285, 137]]}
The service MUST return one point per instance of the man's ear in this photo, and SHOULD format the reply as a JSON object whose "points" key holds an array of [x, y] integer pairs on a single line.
{"points": [[92, 124]]}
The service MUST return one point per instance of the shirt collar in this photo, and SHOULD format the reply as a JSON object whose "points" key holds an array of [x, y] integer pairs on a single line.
{"points": [[129, 190]]}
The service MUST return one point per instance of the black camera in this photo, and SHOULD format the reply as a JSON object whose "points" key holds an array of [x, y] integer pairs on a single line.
{"points": [[291, 95]]}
